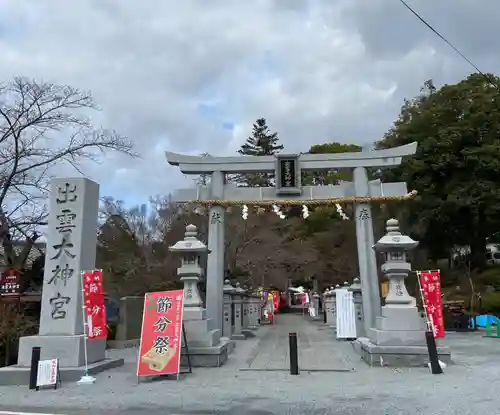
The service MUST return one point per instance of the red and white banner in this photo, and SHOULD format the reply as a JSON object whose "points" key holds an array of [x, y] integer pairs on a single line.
{"points": [[430, 282], [161, 334], [94, 305]]}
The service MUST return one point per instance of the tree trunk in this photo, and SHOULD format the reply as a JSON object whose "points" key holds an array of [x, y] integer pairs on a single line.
{"points": [[478, 252], [7, 352]]}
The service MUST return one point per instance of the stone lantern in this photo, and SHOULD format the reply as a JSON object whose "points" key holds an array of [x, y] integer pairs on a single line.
{"points": [[398, 338], [395, 246], [190, 271], [206, 348]]}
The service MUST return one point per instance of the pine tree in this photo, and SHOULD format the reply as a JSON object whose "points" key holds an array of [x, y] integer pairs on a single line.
{"points": [[262, 142]]}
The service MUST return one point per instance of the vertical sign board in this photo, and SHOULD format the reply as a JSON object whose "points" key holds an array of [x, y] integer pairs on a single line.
{"points": [[48, 371], [430, 283], [161, 334], [10, 283], [288, 175], [346, 315], [94, 305]]}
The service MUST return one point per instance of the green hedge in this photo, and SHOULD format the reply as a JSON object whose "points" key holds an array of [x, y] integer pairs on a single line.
{"points": [[490, 276], [491, 303]]}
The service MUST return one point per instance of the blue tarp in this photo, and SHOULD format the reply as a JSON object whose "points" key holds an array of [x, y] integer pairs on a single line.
{"points": [[484, 320]]}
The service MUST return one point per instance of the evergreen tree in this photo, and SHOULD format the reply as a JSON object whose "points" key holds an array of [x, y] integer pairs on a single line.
{"points": [[262, 142]]}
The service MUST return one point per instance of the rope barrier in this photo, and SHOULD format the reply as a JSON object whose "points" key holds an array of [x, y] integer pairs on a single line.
{"points": [[292, 202]]}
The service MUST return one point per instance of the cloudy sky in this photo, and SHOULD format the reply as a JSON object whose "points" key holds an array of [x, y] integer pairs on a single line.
{"points": [[191, 76]]}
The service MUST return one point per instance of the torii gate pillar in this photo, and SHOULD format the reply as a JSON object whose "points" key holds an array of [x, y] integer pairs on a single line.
{"points": [[215, 260]]}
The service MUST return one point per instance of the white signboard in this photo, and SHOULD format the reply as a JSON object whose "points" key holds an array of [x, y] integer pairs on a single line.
{"points": [[47, 372], [346, 316]]}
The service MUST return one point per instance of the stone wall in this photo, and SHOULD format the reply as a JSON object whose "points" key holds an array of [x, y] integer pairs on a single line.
{"points": [[130, 322]]}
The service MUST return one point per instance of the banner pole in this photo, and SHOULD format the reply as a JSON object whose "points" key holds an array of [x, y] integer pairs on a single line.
{"points": [[427, 319], [85, 379], [434, 363]]}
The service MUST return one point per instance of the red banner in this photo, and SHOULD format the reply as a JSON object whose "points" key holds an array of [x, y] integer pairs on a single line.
{"points": [[95, 308], [430, 281], [161, 335]]}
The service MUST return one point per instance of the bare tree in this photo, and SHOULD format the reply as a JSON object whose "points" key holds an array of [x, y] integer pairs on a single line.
{"points": [[42, 125], [133, 244]]}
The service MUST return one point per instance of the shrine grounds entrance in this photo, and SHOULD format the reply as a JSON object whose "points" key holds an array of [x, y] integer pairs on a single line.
{"points": [[318, 350], [218, 195]]}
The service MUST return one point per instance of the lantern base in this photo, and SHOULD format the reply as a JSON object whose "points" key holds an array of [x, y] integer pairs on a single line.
{"points": [[397, 356]]}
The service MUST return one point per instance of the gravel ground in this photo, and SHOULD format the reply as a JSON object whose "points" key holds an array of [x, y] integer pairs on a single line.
{"points": [[470, 385]]}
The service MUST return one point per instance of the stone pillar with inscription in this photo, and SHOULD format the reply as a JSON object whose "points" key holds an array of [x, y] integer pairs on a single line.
{"points": [[357, 299], [238, 313], [70, 249], [228, 299], [315, 301], [333, 306], [327, 305], [215, 261]]}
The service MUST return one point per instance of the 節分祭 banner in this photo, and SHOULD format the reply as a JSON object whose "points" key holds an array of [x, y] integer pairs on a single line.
{"points": [[430, 283], [95, 309], [161, 334]]}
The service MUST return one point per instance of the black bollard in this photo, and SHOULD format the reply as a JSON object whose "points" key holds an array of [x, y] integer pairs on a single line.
{"points": [[294, 356], [35, 358], [324, 316], [433, 354]]}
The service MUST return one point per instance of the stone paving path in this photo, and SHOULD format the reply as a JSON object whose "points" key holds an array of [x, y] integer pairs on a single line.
{"points": [[318, 348]]}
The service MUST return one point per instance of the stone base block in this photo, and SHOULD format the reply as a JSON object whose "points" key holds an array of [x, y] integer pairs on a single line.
{"points": [[16, 375], [397, 337], [397, 356], [214, 356], [123, 344], [400, 319], [248, 333], [201, 338], [68, 349], [231, 344], [239, 336], [194, 313]]}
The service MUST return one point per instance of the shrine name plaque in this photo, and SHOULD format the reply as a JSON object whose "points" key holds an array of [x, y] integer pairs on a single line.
{"points": [[288, 175]]}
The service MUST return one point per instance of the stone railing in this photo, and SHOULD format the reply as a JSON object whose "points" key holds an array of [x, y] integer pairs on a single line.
{"points": [[241, 312]]}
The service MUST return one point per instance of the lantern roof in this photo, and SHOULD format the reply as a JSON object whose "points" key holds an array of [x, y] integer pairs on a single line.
{"points": [[394, 239], [190, 243]]}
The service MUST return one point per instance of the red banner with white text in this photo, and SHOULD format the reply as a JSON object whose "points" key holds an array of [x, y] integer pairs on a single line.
{"points": [[430, 281], [161, 334], [94, 305]]}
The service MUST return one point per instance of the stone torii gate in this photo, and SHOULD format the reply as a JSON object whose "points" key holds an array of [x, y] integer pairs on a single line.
{"points": [[287, 169]]}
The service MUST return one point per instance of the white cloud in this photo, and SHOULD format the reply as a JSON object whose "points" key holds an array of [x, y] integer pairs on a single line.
{"points": [[318, 70]]}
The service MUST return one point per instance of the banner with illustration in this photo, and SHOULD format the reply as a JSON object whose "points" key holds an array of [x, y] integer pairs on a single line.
{"points": [[161, 334]]}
